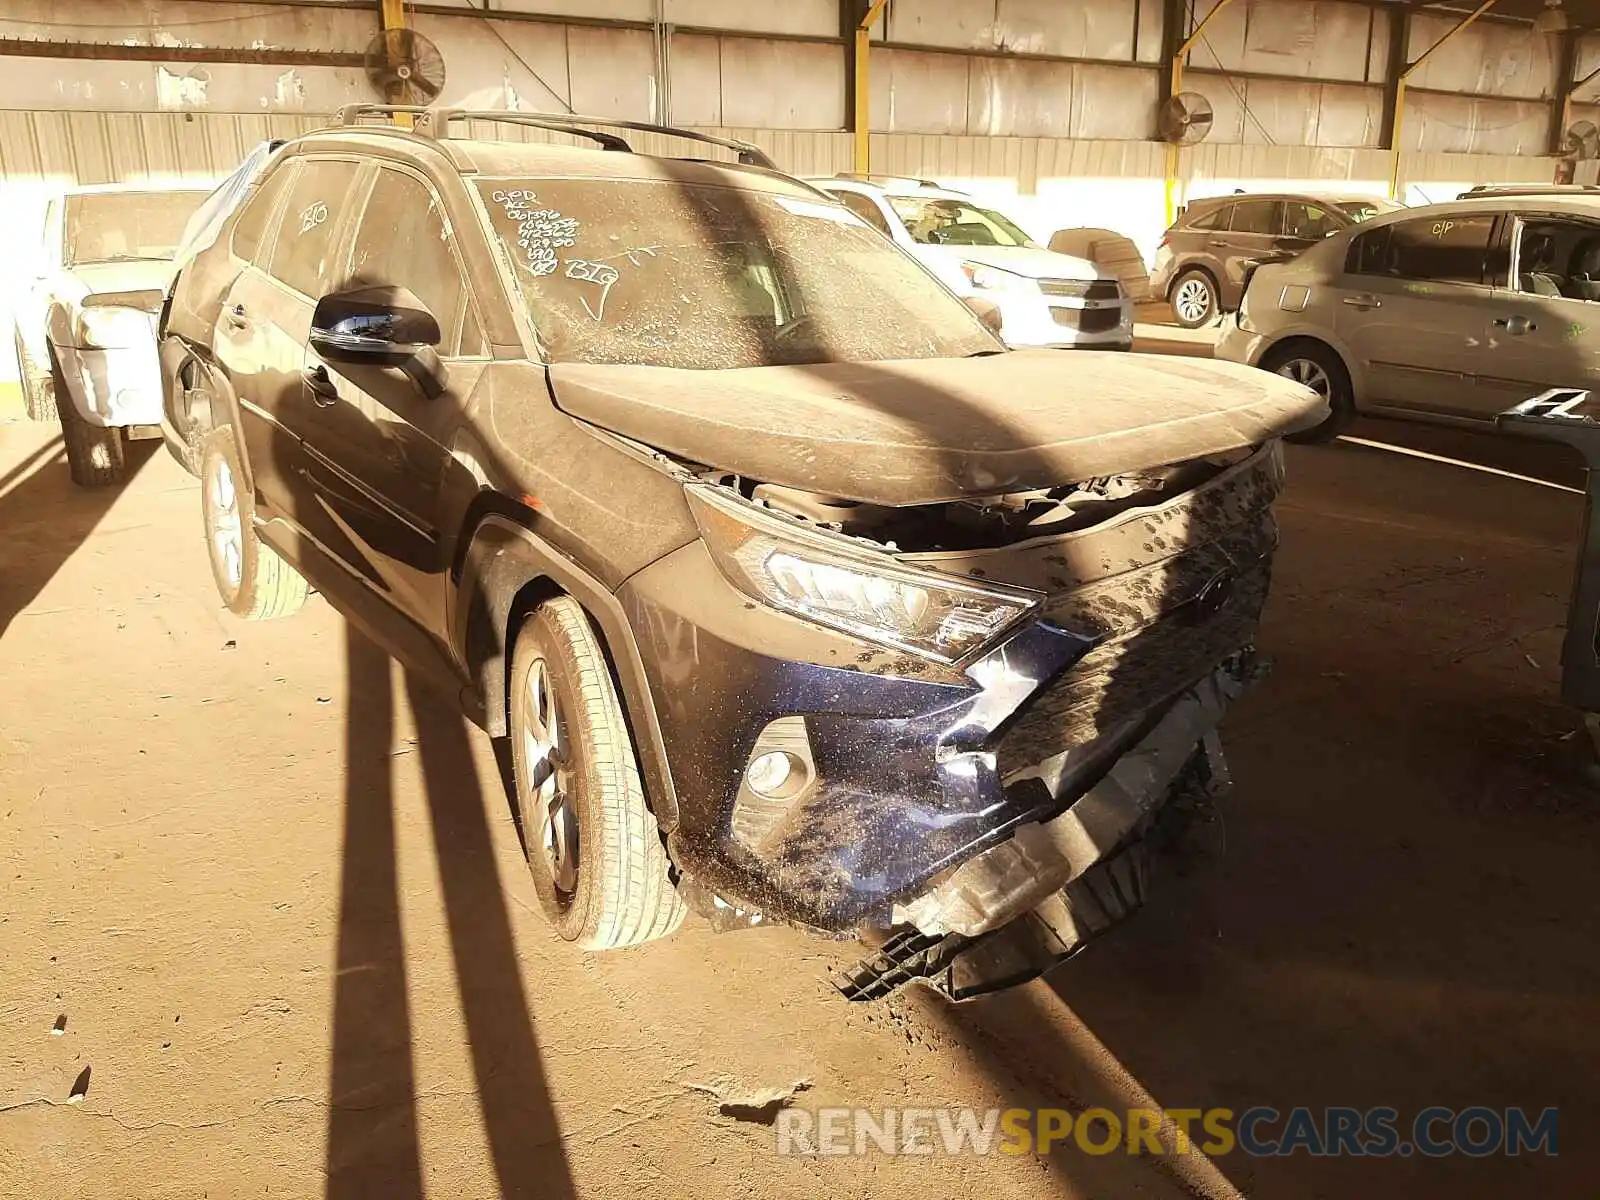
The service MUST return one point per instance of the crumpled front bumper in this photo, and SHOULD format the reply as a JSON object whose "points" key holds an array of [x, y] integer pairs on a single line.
{"points": [[907, 783], [920, 767]]}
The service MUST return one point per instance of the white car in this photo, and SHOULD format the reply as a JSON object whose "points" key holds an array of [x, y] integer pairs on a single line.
{"points": [[1045, 298], [85, 330]]}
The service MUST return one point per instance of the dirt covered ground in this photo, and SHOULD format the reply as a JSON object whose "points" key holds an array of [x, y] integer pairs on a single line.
{"points": [[271, 895]]}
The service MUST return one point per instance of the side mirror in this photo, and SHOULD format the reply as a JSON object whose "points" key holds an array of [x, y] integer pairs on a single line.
{"points": [[986, 311], [385, 325], [381, 327]]}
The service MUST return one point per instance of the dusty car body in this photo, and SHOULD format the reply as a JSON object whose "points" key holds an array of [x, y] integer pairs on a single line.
{"points": [[873, 598], [86, 330]]}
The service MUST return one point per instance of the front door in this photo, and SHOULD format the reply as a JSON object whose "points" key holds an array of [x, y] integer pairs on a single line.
{"points": [[1544, 327], [1413, 301], [262, 331], [378, 446]]}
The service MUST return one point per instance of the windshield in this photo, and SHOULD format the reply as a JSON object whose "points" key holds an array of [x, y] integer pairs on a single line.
{"points": [[704, 277], [1363, 210], [939, 222], [119, 226]]}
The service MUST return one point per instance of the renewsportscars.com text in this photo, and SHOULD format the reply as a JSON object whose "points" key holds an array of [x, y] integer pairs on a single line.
{"points": [[1372, 1132]]}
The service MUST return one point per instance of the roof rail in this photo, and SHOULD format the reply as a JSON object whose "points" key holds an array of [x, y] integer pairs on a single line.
{"points": [[875, 176], [436, 122], [351, 114]]}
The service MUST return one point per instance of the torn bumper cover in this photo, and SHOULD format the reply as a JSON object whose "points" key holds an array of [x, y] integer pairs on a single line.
{"points": [[897, 770], [1030, 903], [1040, 858]]}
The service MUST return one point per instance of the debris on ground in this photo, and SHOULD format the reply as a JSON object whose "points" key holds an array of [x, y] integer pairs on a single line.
{"points": [[80, 1088], [759, 1107]]}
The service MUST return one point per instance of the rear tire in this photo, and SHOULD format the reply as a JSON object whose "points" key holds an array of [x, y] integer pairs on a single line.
{"points": [[594, 847], [254, 580], [1319, 368], [1194, 299], [94, 452], [38, 389]]}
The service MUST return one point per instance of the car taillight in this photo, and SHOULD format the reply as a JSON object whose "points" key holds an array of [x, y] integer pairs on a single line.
{"points": [[1166, 240]]}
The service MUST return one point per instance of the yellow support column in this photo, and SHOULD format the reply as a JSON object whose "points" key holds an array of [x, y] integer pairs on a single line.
{"points": [[1400, 93], [392, 15], [1177, 86], [863, 113]]}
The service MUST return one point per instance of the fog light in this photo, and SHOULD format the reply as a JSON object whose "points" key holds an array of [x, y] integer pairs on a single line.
{"points": [[778, 776], [769, 773]]}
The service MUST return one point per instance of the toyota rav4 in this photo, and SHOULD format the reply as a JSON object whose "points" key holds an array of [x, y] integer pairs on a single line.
{"points": [[797, 595]]}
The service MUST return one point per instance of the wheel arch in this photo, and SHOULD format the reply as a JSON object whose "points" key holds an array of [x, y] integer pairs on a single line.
{"points": [[1289, 341], [506, 571], [1194, 267]]}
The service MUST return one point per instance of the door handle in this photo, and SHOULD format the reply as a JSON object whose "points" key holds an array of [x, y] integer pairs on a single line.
{"points": [[323, 392], [1363, 302], [235, 317], [1516, 324], [1216, 242]]}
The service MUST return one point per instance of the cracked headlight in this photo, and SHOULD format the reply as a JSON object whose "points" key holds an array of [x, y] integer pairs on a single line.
{"points": [[851, 588]]}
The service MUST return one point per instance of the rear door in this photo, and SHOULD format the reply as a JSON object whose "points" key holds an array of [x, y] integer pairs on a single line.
{"points": [[377, 448], [1413, 303], [262, 331], [1254, 235], [1543, 329]]}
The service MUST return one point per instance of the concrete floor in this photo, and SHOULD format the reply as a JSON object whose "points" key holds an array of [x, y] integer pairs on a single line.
{"points": [[275, 893]]}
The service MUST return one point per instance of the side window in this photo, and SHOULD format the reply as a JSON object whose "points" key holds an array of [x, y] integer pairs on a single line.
{"points": [[1217, 218], [864, 208], [251, 225], [1255, 216], [1559, 258], [403, 241], [1368, 253], [302, 251], [1309, 221], [1450, 249]]}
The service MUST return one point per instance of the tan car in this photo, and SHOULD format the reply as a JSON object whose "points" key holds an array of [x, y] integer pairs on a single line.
{"points": [[1451, 312]]}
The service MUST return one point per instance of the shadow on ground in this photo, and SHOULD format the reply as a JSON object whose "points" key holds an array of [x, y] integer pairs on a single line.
{"points": [[373, 1141]]}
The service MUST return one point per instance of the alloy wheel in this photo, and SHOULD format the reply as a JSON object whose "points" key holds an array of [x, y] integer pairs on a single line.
{"points": [[547, 798], [1193, 300], [1309, 374], [227, 528]]}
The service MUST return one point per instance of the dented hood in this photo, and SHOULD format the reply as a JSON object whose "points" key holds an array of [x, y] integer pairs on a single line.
{"points": [[928, 430]]}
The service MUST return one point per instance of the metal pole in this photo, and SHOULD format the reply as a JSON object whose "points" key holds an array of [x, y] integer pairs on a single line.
{"points": [[863, 95], [392, 15], [1400, 92], [1177, 86]]}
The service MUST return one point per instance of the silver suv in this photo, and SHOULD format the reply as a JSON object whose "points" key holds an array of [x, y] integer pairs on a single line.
{"points": [[1451, 312]]}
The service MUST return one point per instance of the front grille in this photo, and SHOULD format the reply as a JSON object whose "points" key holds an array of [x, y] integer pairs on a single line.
{"points": [[1087, 289], [1088, 320]]}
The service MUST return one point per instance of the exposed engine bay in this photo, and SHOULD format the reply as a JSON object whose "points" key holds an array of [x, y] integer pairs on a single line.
{"points": [[987, 521]]}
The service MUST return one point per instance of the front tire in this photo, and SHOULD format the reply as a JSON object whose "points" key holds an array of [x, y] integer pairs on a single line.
{"points": [[1194, 299], [1317, 367], [254, 580], [38, 390], [94, 452], [594, 848]]}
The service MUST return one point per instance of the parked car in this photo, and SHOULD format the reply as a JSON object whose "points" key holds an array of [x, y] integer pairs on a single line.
{"points": [[85, 331], [798, 597], [1204, 259], [1452, 312], [1045, 298]]}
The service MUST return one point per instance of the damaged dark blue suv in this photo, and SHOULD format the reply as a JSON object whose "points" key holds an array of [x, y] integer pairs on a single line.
{"points": [[798, 596]]}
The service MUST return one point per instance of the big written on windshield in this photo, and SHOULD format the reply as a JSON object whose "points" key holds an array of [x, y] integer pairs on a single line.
{"points": [[662, 273]]}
